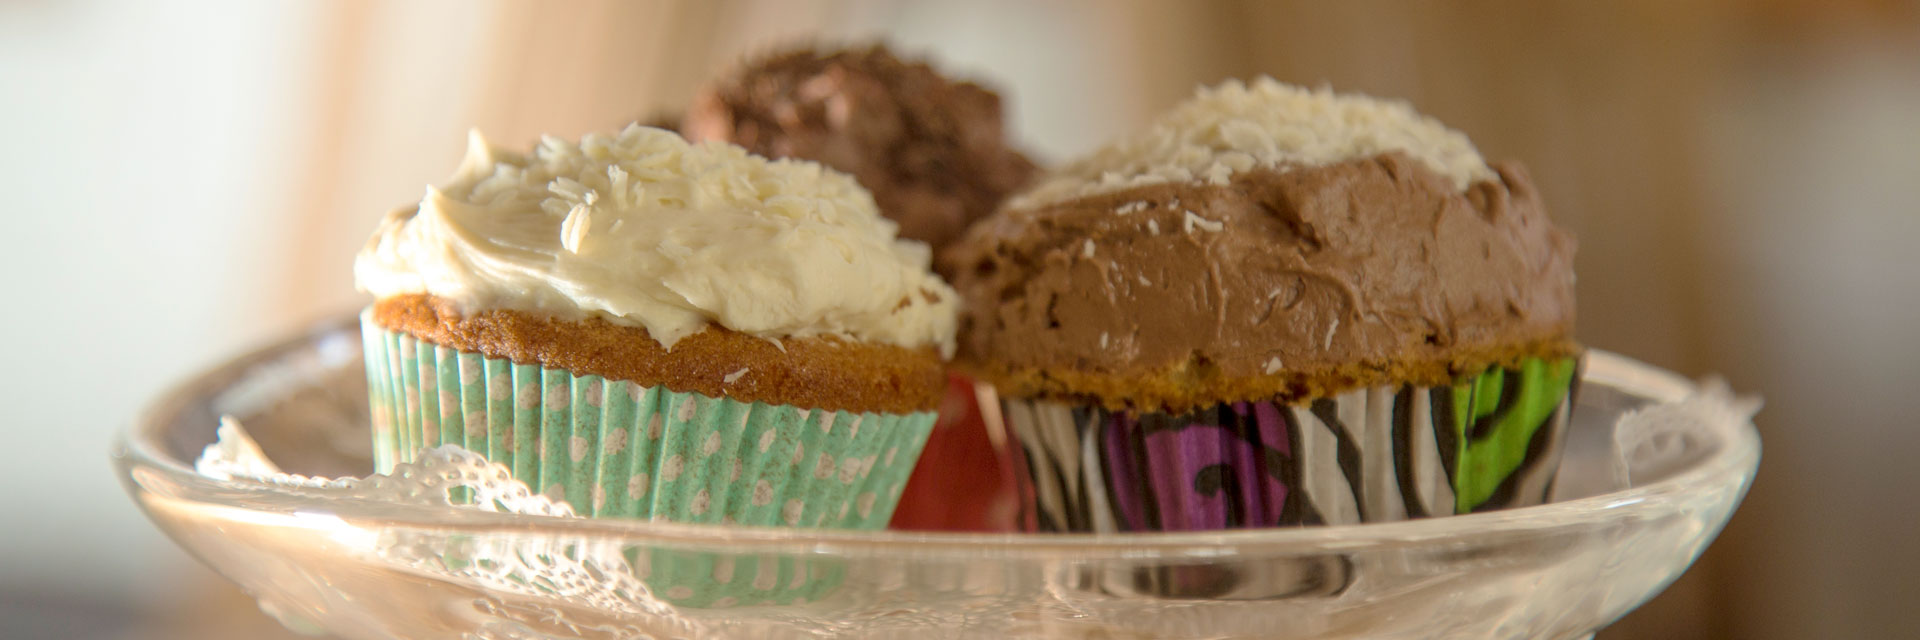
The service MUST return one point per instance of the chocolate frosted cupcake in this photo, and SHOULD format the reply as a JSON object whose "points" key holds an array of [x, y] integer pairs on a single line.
{"points": [[932, 150], [653, 329], [1275, 306]]}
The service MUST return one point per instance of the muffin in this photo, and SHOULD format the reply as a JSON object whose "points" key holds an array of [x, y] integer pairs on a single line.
{"points": [[935, 154], [1274, 306], [648, 328]]}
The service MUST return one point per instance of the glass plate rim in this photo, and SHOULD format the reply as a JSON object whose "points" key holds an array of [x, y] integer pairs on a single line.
{"points": [[140, 458]]}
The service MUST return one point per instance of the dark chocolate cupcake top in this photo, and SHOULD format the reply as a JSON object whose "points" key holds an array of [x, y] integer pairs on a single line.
{"points": [[932, 150], [1263, 241]]}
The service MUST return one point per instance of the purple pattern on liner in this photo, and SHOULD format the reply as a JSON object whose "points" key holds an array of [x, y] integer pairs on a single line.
{"points": [[1175, 461], [1203, 476], [1262, 464], [1121, 476], [1272, 426]]}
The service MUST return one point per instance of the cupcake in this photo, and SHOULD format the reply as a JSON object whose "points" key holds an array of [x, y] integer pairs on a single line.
{"points": [[933, 151], [935, 154], [648, 328], [1274, 306]]}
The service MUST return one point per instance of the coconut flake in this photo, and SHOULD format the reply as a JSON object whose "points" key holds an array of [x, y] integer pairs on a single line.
{"points": [[573, 230], [1194, 221]]}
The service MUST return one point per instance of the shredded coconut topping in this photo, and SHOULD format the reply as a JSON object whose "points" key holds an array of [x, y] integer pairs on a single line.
{"points": [[1237, 127], [771, 248]]}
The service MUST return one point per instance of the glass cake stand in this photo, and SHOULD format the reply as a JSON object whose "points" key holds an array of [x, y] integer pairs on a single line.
{"points": [[1636, 502]]}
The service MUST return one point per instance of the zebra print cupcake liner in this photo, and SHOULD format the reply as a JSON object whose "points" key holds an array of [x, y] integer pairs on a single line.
{"points": [[1490, 441]]}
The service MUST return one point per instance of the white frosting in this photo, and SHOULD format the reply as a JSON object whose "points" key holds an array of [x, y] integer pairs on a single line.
{"points": [[644, 229], [1235, 127]]}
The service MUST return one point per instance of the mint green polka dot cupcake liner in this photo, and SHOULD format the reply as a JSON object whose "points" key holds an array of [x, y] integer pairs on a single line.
{"points": [[615, 449]]}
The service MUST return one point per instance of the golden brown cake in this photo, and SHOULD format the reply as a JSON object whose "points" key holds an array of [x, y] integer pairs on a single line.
{"points": [[823, 372]]}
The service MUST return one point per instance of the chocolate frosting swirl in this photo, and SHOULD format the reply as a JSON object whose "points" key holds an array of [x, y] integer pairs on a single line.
{"points": [[932, 150], [1292, 282]]}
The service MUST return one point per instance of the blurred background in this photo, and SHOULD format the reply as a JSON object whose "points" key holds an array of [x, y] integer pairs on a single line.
{"points": [[191, 179]]}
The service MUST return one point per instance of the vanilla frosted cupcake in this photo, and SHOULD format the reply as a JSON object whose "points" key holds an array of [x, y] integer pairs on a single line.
{"points": [[1275, 306], [652, 329]]}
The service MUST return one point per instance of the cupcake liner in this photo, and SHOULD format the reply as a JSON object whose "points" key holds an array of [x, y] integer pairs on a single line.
{"points": [[619, 449], [1385, 453]]}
